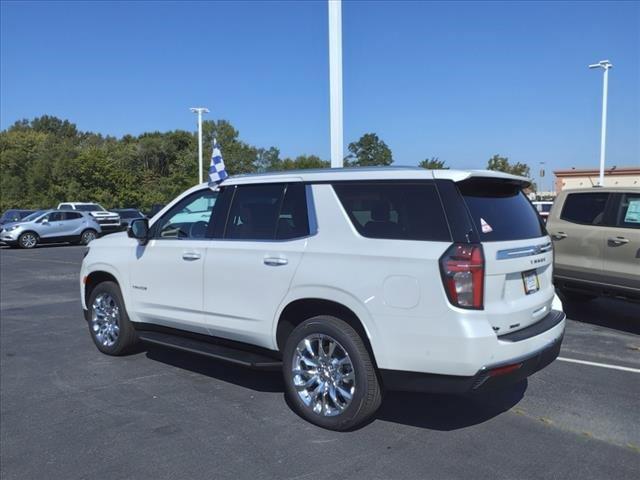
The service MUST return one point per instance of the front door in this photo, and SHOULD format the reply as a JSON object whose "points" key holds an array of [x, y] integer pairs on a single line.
{"points": [[166, 274], [622, 243], [52, 226]]}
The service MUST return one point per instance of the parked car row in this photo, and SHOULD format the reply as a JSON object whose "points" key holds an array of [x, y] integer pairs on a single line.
{"points": [[70, 222]]}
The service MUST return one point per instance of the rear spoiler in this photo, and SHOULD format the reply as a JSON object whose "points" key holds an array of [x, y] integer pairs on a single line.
{"points": [[461, 175]]}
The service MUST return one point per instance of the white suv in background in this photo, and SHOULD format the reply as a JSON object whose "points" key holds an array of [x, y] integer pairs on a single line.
{"points": [[351, 281], [109, 221]]}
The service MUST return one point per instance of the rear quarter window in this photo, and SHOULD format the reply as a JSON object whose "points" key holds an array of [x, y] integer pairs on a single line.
{"points": [[394, 210], [500, 211]]}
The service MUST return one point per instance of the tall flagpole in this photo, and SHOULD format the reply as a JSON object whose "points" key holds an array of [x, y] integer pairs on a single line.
{"points": [[199, 111], [335, 82], [605, 65]]}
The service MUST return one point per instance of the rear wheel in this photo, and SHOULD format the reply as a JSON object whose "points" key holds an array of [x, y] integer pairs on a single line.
{"points": [[28, 240], [88, 236], [329, 374], [109, 324]]}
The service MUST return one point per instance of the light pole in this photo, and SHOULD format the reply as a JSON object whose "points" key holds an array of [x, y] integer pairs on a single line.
{"points": [[335, 81], [199, 111], [605, 65]]}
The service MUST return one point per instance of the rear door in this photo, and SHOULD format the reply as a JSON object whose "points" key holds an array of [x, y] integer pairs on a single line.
{"points": [[579, 236], [518, 254], [622, 242], [251, 262]]}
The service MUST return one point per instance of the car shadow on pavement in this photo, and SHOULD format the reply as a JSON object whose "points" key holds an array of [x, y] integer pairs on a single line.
{"points": [[436, 412], [612, 313], [448, 412]]}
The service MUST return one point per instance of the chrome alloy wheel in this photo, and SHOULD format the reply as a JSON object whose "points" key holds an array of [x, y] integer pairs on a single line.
{"points": [[323, 375], [88, 237], [105, 320], [28, 240]]}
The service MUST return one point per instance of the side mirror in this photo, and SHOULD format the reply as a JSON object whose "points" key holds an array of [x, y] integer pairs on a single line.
{"points": [[139, 229], [45, 220]]}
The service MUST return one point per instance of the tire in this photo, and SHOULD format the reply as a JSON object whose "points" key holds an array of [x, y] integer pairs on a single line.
{"points": [[87, 236], [28, 240], [356, 375], [575, 297], [109, 324]]}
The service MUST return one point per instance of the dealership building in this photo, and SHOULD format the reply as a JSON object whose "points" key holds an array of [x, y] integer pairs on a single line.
{"points": [[587, 177]]}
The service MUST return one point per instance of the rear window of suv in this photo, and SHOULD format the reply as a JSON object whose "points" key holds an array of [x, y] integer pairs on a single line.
{"points": [[394, 210], [500, 210]]}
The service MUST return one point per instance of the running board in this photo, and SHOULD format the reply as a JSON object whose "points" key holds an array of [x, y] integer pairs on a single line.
{"points": [[212, 350]]}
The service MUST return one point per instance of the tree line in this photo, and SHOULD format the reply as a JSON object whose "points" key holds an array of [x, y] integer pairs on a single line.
{"points": [[47, 160]]}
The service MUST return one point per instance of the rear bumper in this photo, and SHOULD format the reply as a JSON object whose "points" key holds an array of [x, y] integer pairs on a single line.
{"points": [[506, 372]]}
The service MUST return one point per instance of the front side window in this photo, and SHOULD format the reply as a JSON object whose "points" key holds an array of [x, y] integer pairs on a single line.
{"points": [[254, 212], [394, 210], [55, 216], [628, 215], [585, 208], [188, 219]]}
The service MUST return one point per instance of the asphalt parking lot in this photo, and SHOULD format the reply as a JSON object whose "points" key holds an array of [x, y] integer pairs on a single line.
{"points": [[67, 411]]}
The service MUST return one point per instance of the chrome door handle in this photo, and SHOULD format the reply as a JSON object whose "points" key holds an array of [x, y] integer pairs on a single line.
{"points": [[559, 235], [275, 261], [190, 256], [615, 241]]}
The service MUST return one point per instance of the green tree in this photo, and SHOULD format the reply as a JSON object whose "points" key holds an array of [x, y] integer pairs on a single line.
{"points": [[501, 164], [369, 150], [433, 163]]}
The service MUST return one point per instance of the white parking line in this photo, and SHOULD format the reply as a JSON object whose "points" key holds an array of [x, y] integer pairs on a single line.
{"points": [[602, 365]]}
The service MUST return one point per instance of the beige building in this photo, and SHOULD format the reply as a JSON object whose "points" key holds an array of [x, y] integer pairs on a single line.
{"points": [[587, 178]]}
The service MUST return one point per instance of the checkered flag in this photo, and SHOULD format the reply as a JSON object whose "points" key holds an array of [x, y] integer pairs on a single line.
{"points": [[217, 172]]}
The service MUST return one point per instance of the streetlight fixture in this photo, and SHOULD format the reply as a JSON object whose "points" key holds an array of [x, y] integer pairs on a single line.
{"points": [[605, 65], [199, 111]]}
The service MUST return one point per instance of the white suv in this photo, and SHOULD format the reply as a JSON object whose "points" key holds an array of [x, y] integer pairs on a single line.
{"points": [[349, 280]]}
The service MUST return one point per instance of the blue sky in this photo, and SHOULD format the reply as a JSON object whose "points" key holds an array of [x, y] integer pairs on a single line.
{"points": [[460, 81]]}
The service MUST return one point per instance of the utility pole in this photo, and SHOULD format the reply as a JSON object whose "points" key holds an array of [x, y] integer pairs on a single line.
{"points": [[605, 65], [199, 111], [335, 82]]}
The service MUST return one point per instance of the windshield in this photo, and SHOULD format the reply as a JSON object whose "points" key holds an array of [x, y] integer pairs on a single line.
{"points": [[90, 207], [500, 210], [33, 215]]}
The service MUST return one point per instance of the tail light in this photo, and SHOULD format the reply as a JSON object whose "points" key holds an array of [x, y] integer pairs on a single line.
{"points": [[462, 268]]}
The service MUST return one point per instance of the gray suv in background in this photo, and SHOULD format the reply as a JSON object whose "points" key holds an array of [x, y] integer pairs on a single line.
{"points": [[51, 226], [596, 240]]}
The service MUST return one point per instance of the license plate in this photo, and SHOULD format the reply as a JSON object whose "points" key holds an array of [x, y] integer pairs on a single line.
{"points": [[531, 283]]}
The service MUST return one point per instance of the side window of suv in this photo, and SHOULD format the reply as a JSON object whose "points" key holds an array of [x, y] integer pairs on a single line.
{"points": [[293, 219], [628, 214], [66, 206], [254, 212], [585, 208], [395, 210], [188, 219]]}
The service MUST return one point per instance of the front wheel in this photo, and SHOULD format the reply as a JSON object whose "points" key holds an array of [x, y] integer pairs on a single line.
{"points": [[88, 236], [28, 240], [329, 375], [109, 324]]}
